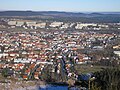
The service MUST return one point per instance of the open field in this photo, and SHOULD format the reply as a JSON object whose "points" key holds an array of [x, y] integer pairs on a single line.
{"points": [[88, 68]]}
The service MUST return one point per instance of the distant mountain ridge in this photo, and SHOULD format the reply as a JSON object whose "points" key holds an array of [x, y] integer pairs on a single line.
{"points": [[67, 16], [53, 13]]}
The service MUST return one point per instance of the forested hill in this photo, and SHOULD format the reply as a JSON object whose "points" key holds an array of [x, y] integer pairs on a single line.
{"points": [[71, 16]]}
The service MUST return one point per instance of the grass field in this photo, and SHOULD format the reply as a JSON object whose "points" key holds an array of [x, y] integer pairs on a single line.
{"points": [[88, 68]]}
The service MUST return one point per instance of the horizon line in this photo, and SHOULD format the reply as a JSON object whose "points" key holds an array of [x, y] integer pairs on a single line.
{"points": [[64, 11]]}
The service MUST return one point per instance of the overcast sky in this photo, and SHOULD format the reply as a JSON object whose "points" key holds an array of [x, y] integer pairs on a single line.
{"points": [[62, 5]]}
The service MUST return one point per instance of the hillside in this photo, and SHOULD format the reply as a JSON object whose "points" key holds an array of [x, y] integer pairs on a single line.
{"points": [[66, 16]]}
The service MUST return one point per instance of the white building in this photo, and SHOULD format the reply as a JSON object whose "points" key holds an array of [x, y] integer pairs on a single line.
{"points": [[117, 53], [40, 25], [12, 23], [81, 25], [103, 26], [19, 23], [56, 24], [30, 24], [65, 26]]}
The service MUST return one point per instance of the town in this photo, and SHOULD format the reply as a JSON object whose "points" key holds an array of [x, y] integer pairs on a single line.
{"points": [[37, 52], [60, 45], [56, 55], [32, 24]]}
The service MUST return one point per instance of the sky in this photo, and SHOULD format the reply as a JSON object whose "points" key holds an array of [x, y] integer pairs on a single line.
{"points": [[62, 5]]}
